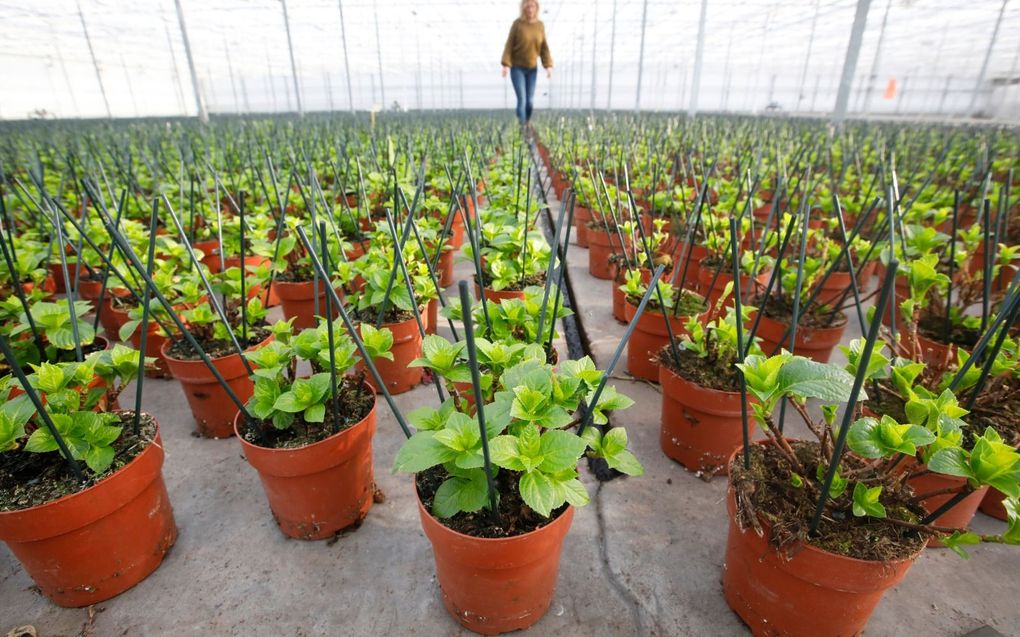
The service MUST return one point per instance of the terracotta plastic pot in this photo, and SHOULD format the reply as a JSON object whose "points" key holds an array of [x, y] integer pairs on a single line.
{"points": [[88, 290], [700, 427], [211, 253], [445, 269], [992, 505], [932, 352], [407, 340], [581, 218], [601, 245], [299, 301], [697, 253], [112, 318], [494, 586], [89, 546], [498, 296], [254, 289], [154, 342], [211, 406], [56, 270], [619, 297], [648, 337], [960, 516], [431, 318], [49, 286], [814, 343], [810, 593], [319, 489]]}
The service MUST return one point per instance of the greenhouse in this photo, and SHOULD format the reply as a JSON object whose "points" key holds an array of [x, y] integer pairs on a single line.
{"points": [[615, 317]]}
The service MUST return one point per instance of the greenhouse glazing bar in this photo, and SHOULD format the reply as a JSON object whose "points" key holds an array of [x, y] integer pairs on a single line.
{"points": [[853, 51], [203, 114], [699, 55]]}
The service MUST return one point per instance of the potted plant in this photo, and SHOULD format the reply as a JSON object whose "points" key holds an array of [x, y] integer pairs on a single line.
{"points": [[651, 334], [119, 507], [387, 309], [701, 421], [497, 567], [210, 403], [512, 258], [310, 439], [817, 536]]}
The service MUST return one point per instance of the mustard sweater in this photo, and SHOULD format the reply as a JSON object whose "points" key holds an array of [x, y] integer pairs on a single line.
{"points": [[525, 44]]}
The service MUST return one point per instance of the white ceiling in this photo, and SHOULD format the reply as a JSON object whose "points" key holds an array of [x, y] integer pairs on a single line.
{"points": [[445, 54]]}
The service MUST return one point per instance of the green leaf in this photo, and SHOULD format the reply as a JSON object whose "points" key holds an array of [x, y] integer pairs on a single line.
{"points": [[873, 438], [614, 450], [50, 377], [560, 450], [503, 453], [378, 342], [866, 501], [315, 413], [41, 441], [422, 451], [958, 540], [99, 459], [838, 485], [804, 378], [952, 461], [540, 493], [468, 492]]}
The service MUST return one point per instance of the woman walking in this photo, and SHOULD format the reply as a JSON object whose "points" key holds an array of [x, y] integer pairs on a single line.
{"points": [[525, 44]]}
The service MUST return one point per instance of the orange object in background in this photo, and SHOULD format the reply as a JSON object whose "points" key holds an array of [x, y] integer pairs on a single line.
{"points": [[890, 89]]}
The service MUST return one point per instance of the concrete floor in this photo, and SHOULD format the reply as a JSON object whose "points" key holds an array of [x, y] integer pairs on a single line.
{"points": [[644, 558]]}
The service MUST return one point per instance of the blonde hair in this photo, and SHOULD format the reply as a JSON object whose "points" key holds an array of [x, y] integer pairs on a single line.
{"points": [[525, 3]]}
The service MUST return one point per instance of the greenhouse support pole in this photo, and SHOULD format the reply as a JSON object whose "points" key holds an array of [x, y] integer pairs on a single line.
{"points": [[866, 102], [594, 52], [177, 71], [378, 55], [580, 71], [95, 63], [203, 115], [853, 52], [726, 72], [984, 65], [945, 92], [233, 80], [612, 48], [347, 59], [807, 57], [641, 56], [244, 93], [293, 64], [902, 89], [699, 56], [63, 70]]}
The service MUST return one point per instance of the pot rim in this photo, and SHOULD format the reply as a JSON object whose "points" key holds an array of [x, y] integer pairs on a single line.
{"points": [[331, 437], [803, 545], [567, 513], [155, 440], [722, 392], [163, 350]]}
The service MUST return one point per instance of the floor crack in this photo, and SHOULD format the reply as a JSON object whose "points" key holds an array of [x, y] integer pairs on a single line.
{"points": [[637, 610]]}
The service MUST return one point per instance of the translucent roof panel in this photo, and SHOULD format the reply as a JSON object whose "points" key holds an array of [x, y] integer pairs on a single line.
{"points": [[917, 56]]}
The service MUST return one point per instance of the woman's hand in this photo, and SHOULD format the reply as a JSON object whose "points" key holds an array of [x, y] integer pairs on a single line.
{"points": [[548, 72], [504, 71]]}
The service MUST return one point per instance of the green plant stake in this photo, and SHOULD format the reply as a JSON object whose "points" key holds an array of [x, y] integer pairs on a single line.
{"points": [[476, 386]]}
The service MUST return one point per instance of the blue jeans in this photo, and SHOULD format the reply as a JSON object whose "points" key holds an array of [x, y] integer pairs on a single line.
{"points": [[524, 87]]}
